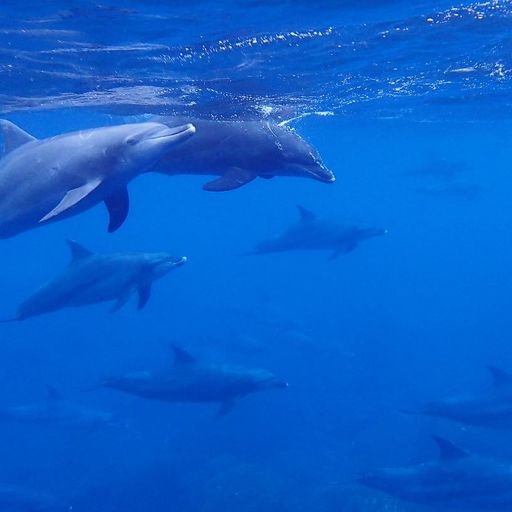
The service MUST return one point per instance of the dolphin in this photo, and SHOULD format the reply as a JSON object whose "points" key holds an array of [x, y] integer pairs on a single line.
{"points": [[91, 278], [46, 180], [195, 381], [491, 408], [15, 498], [240, 151], [312, 233], [457, 480], [56, 411]]}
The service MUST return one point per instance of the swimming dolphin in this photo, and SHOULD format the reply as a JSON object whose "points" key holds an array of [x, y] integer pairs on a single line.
{"points": [[91, 278], [194, 381], [491, 408], [241, 151], [312, 233], [456, 481], [46, 180], [56, 411], [14, 498]]}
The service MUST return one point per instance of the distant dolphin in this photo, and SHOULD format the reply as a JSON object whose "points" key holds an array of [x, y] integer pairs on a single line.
{"points": [[491, 408], [456, 481], [91, 278], [312, 233], [15, 498], [194, 381], [56, 411], [240, 151], [46, 180]]}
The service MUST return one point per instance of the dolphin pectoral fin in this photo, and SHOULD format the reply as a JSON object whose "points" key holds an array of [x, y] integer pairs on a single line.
{"points": [[225, 408], [14, 137], [117, 205], [144, 294], [344, 249], [231, 179], [121, 301], [72, 198]]}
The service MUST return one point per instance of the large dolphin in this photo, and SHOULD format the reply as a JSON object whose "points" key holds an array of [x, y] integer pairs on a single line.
{"points": [[240, 151], [46, 180], [193, 381], [491, 408], [456, 481], [56, 411], [91, 278], [313, 233]]}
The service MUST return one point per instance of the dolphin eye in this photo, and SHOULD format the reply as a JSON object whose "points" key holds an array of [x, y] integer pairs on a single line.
{"points": [[131, 141]]}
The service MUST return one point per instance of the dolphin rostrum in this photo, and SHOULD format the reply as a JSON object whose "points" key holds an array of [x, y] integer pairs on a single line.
{"points": [[241, 151], [491, 408], [56, 411], [457, 480], [91, 278], [193, 381], [313, 233], [46, 180]]}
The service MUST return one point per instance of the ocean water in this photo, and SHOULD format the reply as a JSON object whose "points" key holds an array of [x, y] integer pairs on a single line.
{"points": [[394, 95]]}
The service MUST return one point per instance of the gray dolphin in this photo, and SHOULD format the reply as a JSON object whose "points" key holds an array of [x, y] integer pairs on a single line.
{"points": [[15, 498], [194, 381], [46, 180], [57, 411], [91, 278], [491, 408], [312, 233], [456, 481], [240, 151]]}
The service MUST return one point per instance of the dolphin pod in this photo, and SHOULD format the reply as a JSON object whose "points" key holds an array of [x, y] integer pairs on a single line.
{"points": [[92, 278], [46, 180]]}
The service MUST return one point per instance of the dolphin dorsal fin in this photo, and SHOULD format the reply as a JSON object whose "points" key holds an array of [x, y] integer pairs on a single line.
{"points": [[52, 393], [78, 251], [14, 137], [500, 377], [182, 357], [305, 214], [449, 450]]}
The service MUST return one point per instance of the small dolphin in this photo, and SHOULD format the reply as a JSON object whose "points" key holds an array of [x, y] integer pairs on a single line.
{"points": [[241, 151], [56, 411], [492, 408], [456, 481], [92, 278], [312, 233], [46, 180], [454, 189], [193, 381], [14, 498]]}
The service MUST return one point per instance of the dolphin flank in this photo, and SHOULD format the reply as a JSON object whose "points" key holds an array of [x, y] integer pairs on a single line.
{"points": [[241, 151], [91, 278], [46, 180], [193, 381]]}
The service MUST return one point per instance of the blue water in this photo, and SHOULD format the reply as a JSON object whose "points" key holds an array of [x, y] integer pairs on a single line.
{"points": [[383, 89]]}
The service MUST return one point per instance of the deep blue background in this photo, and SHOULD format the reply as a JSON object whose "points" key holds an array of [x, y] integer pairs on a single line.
{"points": [[411, 316]]}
